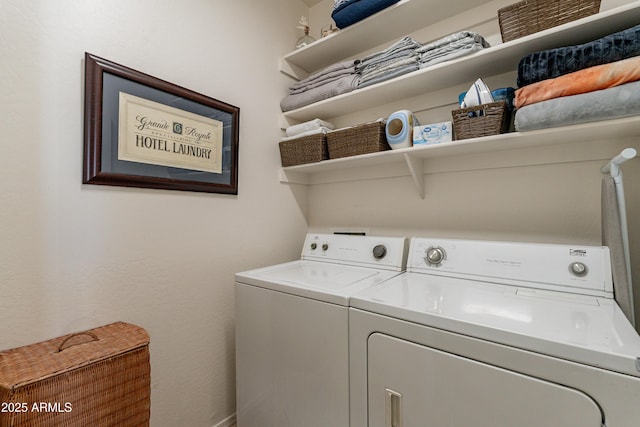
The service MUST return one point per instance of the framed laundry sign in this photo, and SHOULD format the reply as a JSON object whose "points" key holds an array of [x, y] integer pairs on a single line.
{"points": [[140, 131]]}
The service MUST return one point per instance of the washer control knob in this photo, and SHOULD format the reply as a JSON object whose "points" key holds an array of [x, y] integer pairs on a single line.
{"points": [[314, 246], [578, 269], [435, 256], [325, 246], [379, 251]]}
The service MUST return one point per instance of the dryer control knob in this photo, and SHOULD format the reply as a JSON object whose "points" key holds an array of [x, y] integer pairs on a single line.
{"points": [[578, 269], [314, 246], [325, 246], [435, 256], [379, 251]]}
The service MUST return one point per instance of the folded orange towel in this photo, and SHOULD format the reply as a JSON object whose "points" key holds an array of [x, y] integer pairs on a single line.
{"points": [[583, 81]]}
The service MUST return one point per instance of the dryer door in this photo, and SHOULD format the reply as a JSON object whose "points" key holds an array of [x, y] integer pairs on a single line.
{"points": [[411, 385]]}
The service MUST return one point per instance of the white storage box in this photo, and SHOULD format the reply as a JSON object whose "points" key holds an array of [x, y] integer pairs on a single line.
{"points": [[434, 133]]}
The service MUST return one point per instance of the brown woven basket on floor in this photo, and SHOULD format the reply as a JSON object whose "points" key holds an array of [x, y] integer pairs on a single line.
{"points": [[99, 377], [482, 120], [361, 139], [530, 16], [306, 149]]}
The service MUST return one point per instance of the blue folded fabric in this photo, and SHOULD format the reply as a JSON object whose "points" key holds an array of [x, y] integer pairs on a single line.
{"points": [[351, 11], [552, 63]]}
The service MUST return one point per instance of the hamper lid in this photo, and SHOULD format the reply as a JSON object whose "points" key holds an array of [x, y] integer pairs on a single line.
{"points": [[23, 365]]}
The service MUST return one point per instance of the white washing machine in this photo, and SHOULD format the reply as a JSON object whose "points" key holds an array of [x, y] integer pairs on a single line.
{"points": [[292, 355], [490, 334]]}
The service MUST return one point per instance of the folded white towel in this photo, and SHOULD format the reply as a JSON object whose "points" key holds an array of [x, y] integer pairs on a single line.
{"points": [[307, 133], [312, 125]]}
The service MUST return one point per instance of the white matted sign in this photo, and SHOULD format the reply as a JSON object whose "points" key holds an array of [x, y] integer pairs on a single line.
{"points": [[157, 134]]}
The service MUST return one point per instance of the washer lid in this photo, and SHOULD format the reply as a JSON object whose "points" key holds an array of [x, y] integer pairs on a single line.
{"points": [[323, 281], [581, 328]]}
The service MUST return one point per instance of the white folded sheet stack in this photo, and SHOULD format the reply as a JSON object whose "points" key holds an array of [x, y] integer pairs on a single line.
{"points": [[311, 127]]}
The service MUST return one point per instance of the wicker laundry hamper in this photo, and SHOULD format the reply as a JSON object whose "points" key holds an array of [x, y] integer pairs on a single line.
{"points": [[95, 378]]}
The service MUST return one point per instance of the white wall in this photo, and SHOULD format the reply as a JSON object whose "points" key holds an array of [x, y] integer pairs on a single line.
{"points": [[76, 256]]}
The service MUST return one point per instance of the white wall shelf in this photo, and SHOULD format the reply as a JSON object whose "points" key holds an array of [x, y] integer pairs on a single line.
{"points": [[496, 60], [411, 161], [409, 15], [387, 25]]}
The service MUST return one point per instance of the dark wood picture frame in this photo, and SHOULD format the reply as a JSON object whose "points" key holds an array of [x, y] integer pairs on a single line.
{"points": [[103, 82]]}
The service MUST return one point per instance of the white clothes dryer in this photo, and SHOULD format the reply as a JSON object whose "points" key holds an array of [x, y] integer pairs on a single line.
{"points": [[494, 334], [292, 356]]}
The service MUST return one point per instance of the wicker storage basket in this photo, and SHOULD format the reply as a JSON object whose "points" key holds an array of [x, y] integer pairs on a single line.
{"points": [[530, 16], [482, 120], [100, 377], [361, 139], [306, 149]]}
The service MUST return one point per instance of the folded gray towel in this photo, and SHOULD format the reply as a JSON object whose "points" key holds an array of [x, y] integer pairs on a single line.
{"points": [[326, 79], [384, 67], [452, 39], [342, 85], [442, 55], [614, 102], [390, 74], [339, 69], [451, 47], [403, 47]]}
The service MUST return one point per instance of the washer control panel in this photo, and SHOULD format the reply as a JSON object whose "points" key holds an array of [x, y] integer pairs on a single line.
{"points": [[579, 269], [384, 252]]}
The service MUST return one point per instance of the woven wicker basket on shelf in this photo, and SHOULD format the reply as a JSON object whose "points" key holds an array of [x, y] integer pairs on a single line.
{"points": [[306, 149], [482, 120], [100, 377], [361, 139], [530, 16]]}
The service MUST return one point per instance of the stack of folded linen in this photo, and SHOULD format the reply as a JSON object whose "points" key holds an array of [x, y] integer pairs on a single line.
{"points": [[398, 59], [451, 47], [311, 127], [593, 81], [334, 80]]}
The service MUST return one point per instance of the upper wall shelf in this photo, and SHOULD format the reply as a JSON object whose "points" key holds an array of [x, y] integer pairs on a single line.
{"points": [[496, 60], [391, 23]]}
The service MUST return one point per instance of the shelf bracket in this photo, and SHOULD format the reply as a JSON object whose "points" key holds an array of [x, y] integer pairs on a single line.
{"points": [[290, 177], [292, 70], [416, 167]]}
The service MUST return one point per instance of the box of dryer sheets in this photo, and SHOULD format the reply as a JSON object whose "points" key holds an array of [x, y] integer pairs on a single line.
{"points": [[434, 133]]}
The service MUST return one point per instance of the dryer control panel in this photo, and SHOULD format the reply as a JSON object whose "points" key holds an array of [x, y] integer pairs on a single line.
{"points": [[578, 269], [381, 252]]}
